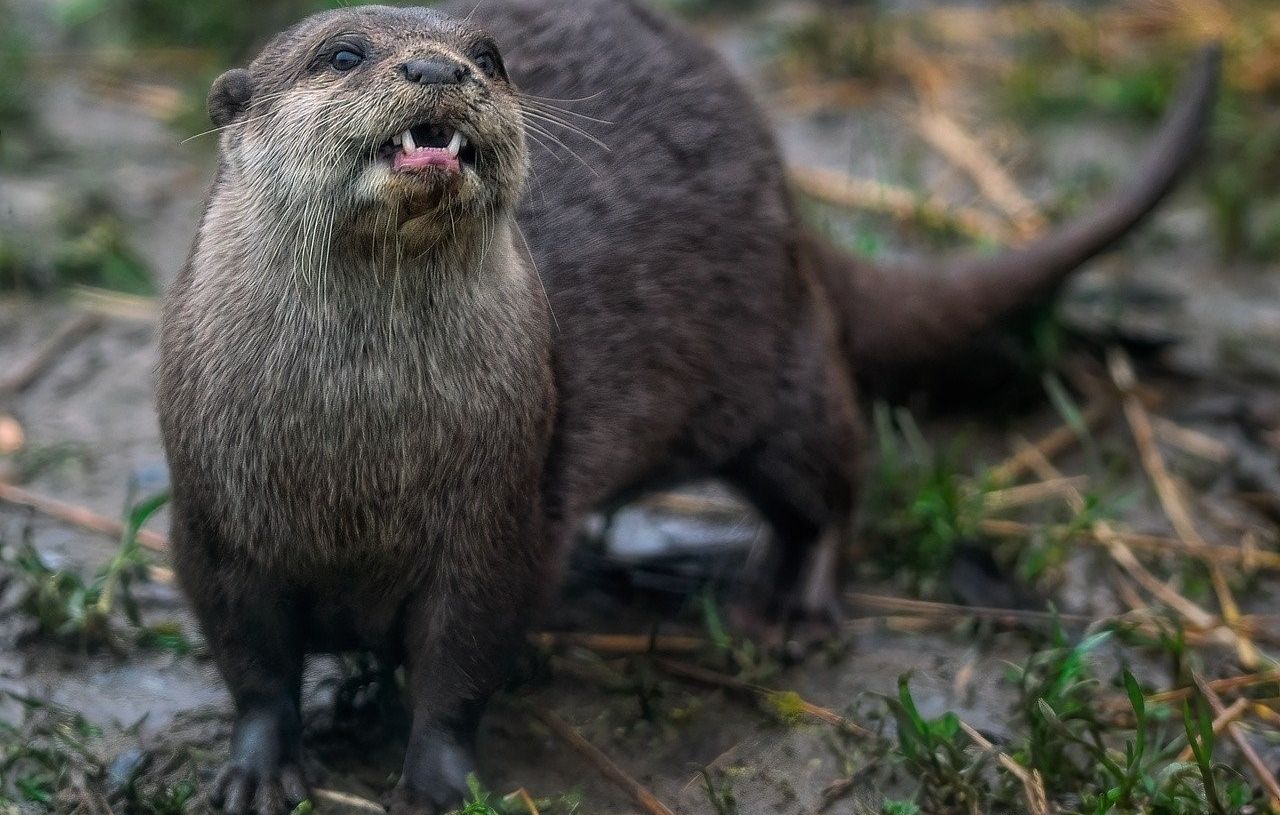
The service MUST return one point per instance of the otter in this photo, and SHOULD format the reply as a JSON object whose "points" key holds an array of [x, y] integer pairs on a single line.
{"points": [[355, 386], [384, 431]]}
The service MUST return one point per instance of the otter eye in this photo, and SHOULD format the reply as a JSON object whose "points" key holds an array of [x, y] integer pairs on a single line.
{"points": [[345, 60], [487, 60]]}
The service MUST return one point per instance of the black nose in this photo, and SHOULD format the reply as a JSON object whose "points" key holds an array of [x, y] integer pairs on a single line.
{"points": [[435, 71]]}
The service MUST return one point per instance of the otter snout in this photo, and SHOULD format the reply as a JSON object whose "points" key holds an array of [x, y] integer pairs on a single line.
{"points": [[436, 70]]}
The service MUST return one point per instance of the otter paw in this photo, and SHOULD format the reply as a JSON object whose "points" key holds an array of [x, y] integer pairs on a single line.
{"points": [[435, 800], [435, 777], [244, 790]]}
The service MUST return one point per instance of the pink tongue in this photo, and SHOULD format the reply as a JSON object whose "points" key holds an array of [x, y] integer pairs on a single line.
{"points": [[425, 157]]}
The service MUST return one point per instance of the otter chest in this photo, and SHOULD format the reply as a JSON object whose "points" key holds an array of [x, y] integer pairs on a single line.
{"points": [[349, 431]]}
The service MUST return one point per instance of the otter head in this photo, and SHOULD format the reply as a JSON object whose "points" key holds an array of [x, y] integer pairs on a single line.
{"points": [[375, 116]]}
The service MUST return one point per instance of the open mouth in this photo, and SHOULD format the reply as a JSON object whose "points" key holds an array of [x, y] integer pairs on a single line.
{"points": [[427, 146]]}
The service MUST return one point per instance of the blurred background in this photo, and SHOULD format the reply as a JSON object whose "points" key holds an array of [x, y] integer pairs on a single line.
{"points": [[911, 128]]}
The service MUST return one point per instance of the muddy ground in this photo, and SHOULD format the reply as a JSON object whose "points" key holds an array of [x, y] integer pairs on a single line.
{"points": [[92, 440]]}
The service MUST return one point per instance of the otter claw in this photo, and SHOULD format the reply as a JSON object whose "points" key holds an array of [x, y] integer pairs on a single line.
{"points": [[240, 790]]}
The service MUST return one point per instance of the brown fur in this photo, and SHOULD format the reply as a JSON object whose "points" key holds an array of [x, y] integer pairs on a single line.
{"points": [[355, 459]]}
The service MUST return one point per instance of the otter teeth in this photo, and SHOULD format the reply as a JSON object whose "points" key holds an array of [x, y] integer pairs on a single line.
{"points": [[406, 142], [455, 144]]}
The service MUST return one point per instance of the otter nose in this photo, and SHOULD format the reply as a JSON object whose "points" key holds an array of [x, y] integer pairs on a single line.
{"points": [[435, 71]]}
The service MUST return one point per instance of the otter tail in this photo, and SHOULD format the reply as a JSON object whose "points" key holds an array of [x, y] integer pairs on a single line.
{"points": [[900, 318]]}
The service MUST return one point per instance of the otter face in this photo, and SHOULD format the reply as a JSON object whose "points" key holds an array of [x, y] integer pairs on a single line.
{"points": [[375, 110]]}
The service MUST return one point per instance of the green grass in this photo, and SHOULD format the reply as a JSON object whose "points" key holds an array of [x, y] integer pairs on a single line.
{"points": [[1047, 83], [719, 791], [230, 30], [925, 507], [1051, 83], [1090, 763], [16, 103], [921, 508], [97, 251], [481, 801], [86, 614], [845, 45], [950, 776], [91, 246], [40, 756]]}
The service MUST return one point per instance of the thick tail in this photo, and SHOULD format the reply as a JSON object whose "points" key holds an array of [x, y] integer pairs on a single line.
{"points": [[898, 319]]}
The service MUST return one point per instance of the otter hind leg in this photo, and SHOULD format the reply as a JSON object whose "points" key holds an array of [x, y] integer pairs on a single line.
{"points": [[802, 477]]}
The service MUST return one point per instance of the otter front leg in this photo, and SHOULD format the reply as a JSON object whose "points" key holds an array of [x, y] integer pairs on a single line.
{"points": [[256, 642], [253, 628], [460, 642]]}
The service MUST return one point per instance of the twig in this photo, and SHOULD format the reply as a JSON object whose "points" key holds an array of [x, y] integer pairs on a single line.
{"points": [[682, 503], [1123, 555], [728, 755], [77, 516], [1175, 508], [1032, 784], [1052, 444], [925, 615], [594, 756], [1227, 685], [1260, 769], [708, 677], [818, 95], [346, 799], [1024, 494], [1125, 559], [1257, 559], [526, 799], [1144, 437], [1129, 594], [967, 153], [952, 611], [837, 189], [626, 644], [1191, 441], [48, 353], [116, 305]]}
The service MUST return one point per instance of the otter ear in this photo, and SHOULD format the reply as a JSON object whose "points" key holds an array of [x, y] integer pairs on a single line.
{"points": [[229, 97]]}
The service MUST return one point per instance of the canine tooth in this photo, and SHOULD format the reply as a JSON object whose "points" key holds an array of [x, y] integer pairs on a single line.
{"points": [[407, 139], [455, 144], [395, 140]]}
